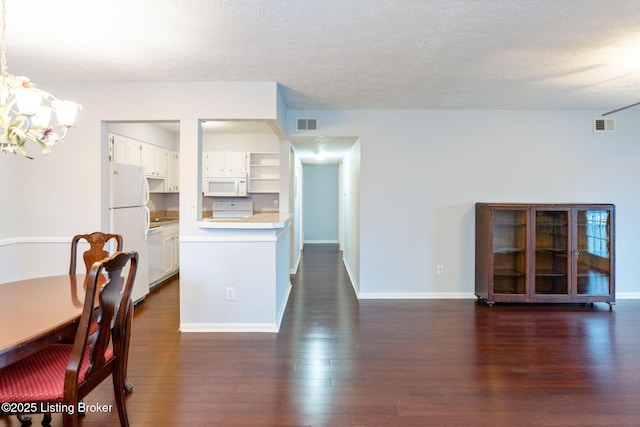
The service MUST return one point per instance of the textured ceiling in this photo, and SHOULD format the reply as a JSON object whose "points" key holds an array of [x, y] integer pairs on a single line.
{"points": [[331, 54], [542, 54]]}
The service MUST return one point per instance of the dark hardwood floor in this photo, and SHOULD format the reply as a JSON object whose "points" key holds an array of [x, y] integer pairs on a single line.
{"points": [[338, 361]]}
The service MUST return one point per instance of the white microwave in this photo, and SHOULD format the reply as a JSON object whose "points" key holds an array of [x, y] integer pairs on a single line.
{"points": [[234, 185]]}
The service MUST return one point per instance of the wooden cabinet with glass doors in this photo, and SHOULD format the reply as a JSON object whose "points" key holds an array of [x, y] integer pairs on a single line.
{"points": [[545, 253]]}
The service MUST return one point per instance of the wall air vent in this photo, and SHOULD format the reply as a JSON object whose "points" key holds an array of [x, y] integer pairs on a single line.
{"points": [[307, 124], [604, 125]]}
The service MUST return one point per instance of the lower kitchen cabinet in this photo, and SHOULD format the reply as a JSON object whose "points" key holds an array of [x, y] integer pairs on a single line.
{"points": [[170, 250], [545, 253]]}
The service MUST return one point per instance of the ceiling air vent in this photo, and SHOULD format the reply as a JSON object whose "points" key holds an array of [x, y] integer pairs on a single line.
{"points": [[307, 124], [604, 125]]}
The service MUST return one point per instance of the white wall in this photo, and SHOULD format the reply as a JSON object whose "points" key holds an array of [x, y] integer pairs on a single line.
{"points": [[295, 185], [255, 264], [421, 172], [254, 142], [351, 214], [10, 192], [64, 193], [320, 203]]}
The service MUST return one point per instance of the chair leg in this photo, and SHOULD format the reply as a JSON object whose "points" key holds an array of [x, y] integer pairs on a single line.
{"points": [[69, 420], [46, 419], [118, 391], [25, 420], [128, 387]]}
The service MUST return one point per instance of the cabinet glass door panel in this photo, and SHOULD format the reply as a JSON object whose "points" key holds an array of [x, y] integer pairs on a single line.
{"points": [[509, 252], [593, 251], [551, 252]]}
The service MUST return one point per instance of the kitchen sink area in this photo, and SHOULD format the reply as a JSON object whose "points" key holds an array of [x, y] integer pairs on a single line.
{"points": [[161, 220]]}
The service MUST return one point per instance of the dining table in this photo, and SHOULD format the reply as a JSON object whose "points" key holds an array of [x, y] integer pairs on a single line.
{"points": [[37, 312]]}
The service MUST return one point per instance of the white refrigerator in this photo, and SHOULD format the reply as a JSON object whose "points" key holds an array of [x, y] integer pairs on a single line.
{"points": [[130, 218]]}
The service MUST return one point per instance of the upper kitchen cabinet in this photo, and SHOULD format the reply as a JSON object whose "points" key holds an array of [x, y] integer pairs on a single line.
{"points": [[224, 162], [155, 161], [125, 150], [161, 164], [173, 172]]}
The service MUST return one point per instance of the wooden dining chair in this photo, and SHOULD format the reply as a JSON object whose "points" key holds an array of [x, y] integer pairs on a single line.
{"points": [[64, 374], [96, 252]]}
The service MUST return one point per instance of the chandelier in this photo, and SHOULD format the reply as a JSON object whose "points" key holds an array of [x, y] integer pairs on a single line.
{"points": [[25, 110]]}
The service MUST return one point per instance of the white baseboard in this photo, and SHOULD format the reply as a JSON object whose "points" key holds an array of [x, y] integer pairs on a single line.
{"points": [[239, 327], [352, 279], [627, 295], [284, 307], [296, 263], [229, 327]]}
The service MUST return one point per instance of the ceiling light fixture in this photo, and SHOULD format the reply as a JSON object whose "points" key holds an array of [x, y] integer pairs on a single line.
{"points": [[25, 110]]}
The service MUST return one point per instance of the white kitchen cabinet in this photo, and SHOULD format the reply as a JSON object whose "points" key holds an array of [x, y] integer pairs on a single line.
{"points": [[264, 172], [214, 162], [125, 150], [237, 162], [154, 160], [161, 165], [173, 172], [154, 240], [223, 162], [176, 249], [170, 249], [149, 159], [167, 254]]}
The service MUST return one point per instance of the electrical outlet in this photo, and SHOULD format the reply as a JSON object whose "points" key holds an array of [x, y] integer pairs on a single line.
{"points": [[440, 270], [231, 293]]}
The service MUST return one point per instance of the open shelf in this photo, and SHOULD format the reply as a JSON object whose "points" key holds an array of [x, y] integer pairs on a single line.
{"points": [[264, 172]]}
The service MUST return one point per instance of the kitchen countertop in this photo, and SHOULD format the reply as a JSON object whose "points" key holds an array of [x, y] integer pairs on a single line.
{"points": [[256, 221], [159, 222]]}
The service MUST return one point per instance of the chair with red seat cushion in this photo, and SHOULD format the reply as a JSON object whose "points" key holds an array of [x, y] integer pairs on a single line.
{"points": [[96, 252], [65, 373]]}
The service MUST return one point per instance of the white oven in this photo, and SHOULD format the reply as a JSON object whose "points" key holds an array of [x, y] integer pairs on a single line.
{"points": [[234, 185]]}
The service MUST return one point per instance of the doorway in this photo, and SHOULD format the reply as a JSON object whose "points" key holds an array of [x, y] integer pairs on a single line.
{"points": [[326, 198], [321, 204]]}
